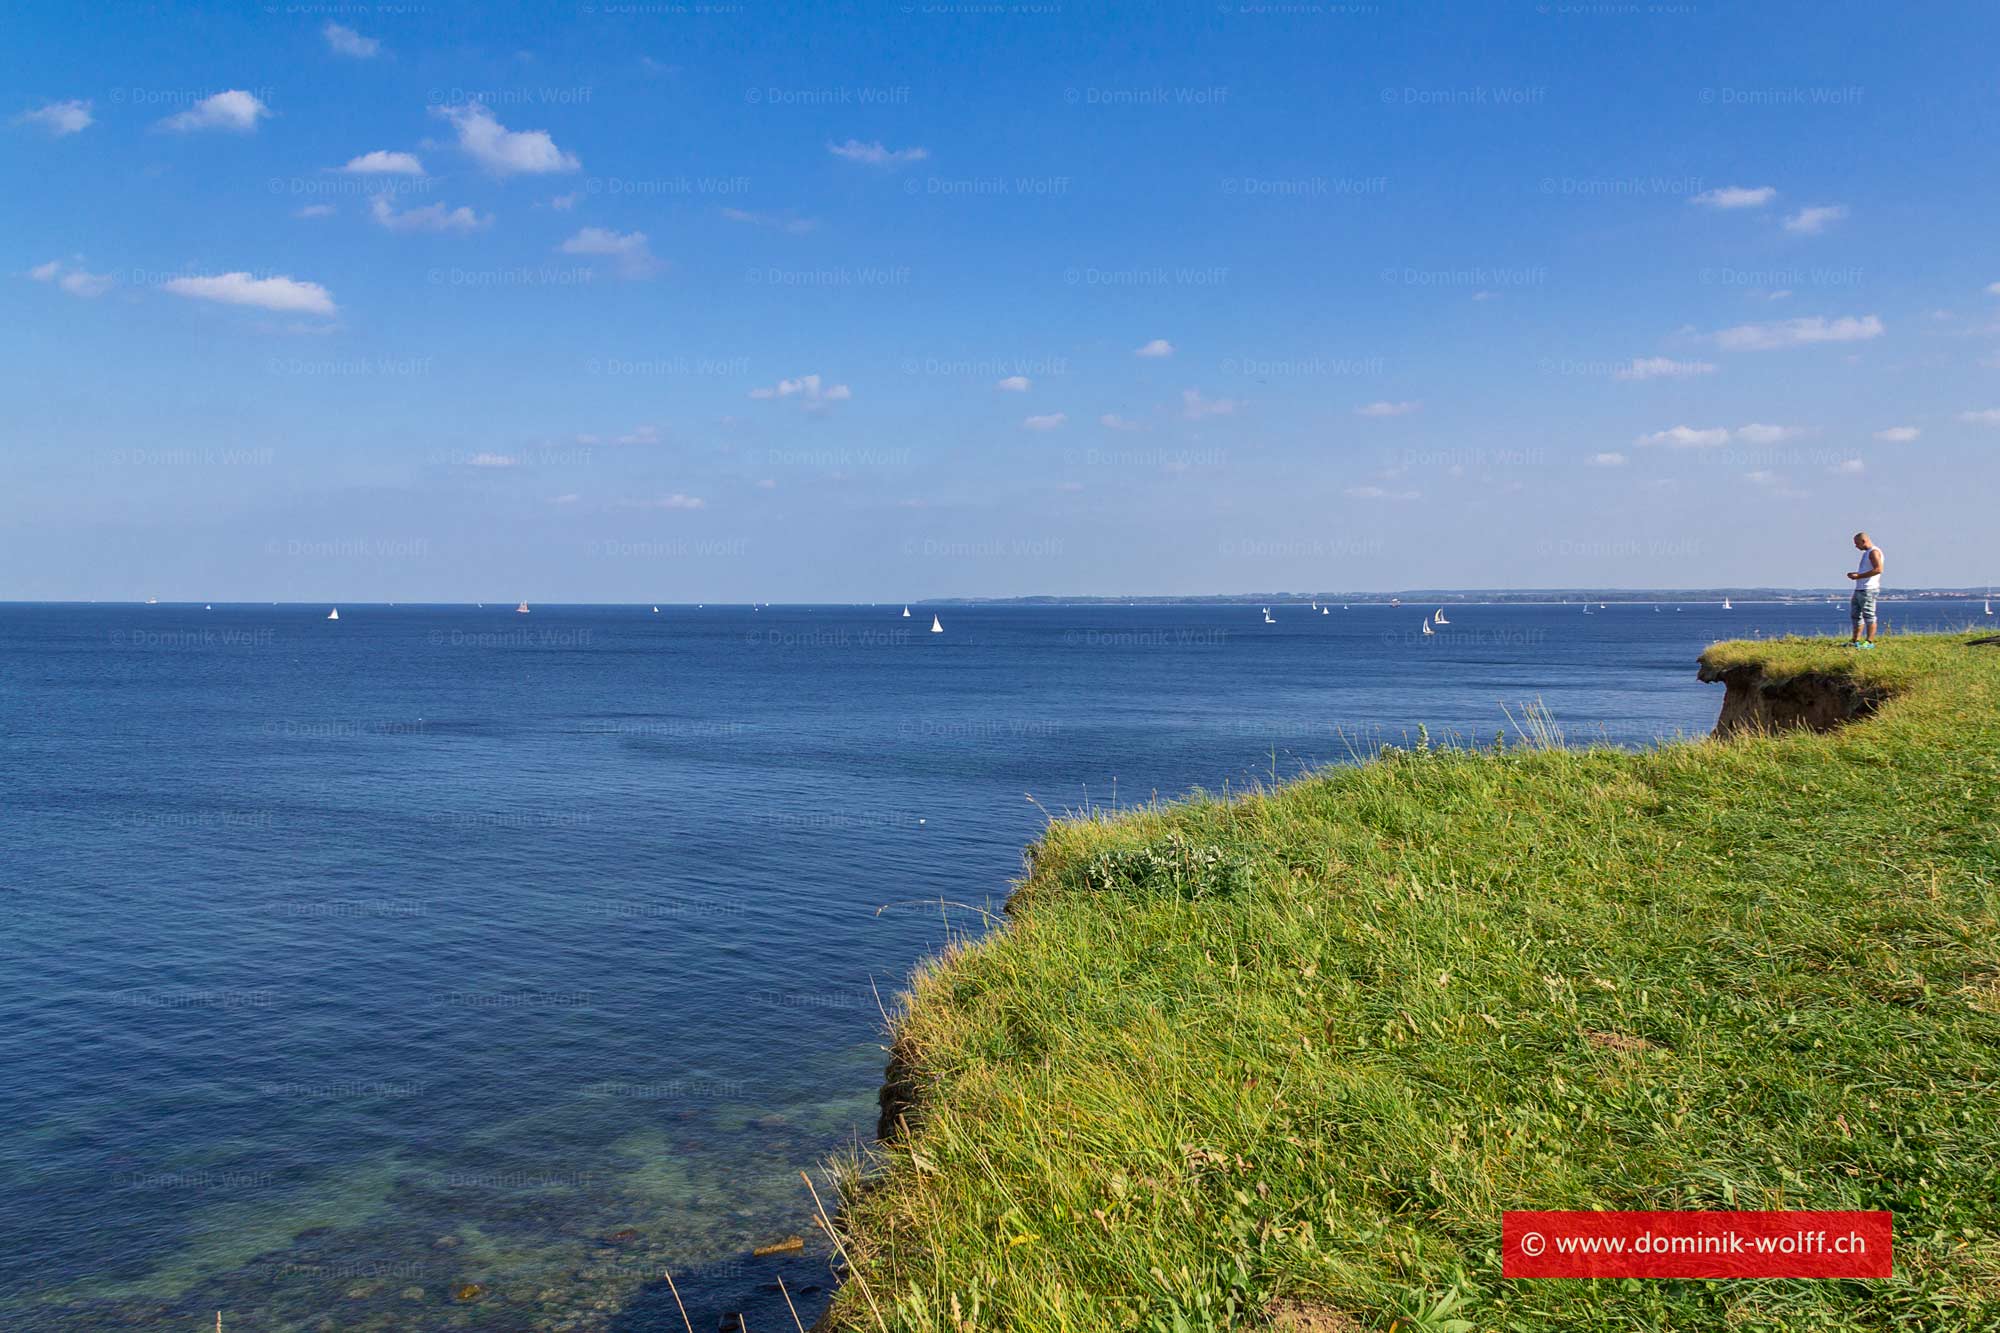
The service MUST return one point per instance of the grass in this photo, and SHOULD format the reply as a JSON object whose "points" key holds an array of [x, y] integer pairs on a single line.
{"points": [[1295, 1052]]}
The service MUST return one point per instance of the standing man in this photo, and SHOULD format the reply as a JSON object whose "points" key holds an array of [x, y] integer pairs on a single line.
{"points": [[1867, 580]]}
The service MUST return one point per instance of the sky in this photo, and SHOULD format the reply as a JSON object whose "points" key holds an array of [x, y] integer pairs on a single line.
{"points": [[728, 301]]}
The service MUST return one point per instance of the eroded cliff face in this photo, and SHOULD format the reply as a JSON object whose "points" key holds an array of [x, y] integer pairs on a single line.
{"points": [[1753, 701]]}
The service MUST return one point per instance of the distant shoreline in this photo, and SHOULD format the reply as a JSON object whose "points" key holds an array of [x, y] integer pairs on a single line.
{"points": [[1445, 596]]}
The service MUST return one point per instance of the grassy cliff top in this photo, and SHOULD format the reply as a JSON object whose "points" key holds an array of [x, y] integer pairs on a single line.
{"points": [[1298, 1051]]}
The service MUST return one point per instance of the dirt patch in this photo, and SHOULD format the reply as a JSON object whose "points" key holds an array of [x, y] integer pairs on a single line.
{"points": [[1305, 1317], [1622, 1042], [1755, 703]]}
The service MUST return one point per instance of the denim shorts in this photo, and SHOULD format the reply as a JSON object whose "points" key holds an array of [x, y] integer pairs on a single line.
{"points": [[1862, 604]]}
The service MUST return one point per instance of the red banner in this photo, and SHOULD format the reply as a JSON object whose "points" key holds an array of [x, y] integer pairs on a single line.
{"points": [[1695, 1245]]}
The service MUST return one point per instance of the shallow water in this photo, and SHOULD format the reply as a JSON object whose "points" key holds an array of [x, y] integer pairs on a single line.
{"points": [[345, 965]]}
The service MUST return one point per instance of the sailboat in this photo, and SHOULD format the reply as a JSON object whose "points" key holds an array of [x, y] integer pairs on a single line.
{"points": [[522, 609], [906, 614], [1726, 606], [1428, 629], [1267, 617], [333, 614], [1439, 617], [1989, 606], [152, 601], [936, 628], [656, 610], [1323, 611]]}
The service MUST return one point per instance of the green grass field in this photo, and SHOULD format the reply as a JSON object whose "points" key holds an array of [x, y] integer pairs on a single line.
{"points": [[1295, 1052]]}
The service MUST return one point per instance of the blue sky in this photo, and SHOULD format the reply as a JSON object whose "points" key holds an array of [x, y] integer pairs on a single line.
{"points": [[727, 301]]}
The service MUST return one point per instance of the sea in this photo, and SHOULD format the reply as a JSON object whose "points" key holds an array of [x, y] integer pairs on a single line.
{"points": [[449, 967]]}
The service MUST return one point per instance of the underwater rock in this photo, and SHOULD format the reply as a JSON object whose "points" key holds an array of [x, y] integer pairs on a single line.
{"points": [[785, 1246], [470, 1291]]}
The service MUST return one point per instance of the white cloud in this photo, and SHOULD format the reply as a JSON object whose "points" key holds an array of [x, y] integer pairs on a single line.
{"points": [[1050, 421], [282, 294], [1898, 434], [1687, 437], [1849, 467], [502, 151], [568, 499], [1194, 407], [384, 163], [1758, 433], [1112, 421], [315, 211], [1015, 384], [493, 460], [1986, 417], [1813, 221], [1157, 347], [1662, 367], [808, 388], [1992, 289], [74, 280], [640, 435], [431, 217], [1387, 409], [875, 155], [674, 501], [1736, 196], [1607, 460], [789, 225], [59, 118], [234, 110], [1763, 478], [1378, 493], [1799, 333], [563, 203], [347, 42], [630, 249]]}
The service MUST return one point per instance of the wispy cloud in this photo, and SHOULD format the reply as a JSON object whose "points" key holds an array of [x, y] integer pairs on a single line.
{"points": [[347, 42], [431, 217], [1157, 347], [502, 151], [1813, 221], [791, 226], [1898, 434], [1378, 493], [315, 211], [1049, 421], [1387, 409], [1759, 433], [1112, 421], [384, 163], [281, 294], [1194, 407], [808, 388], [1663, 367], [1989, 416], [875, 155], [1687, 437], [1736, 196], [630, 249], [1607, 460], [235, 111], [1849, 467], [675, 501], [74, 279], [1015, 384], [1799, 333], [59, 118]]}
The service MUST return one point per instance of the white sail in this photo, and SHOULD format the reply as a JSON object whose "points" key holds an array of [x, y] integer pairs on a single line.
{"points": [[936, 628], [1428, 629], [522, 609], [333, 614], [906, 614]]}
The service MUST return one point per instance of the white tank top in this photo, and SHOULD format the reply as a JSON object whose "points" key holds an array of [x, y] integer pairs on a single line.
{"points": [[1873, 581]]}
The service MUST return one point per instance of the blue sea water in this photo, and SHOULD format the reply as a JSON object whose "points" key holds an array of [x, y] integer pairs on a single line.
{"points": [[345, 966]]}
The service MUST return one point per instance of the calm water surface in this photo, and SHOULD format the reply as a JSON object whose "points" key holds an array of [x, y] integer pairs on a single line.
{"points": [[346, 965]]}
